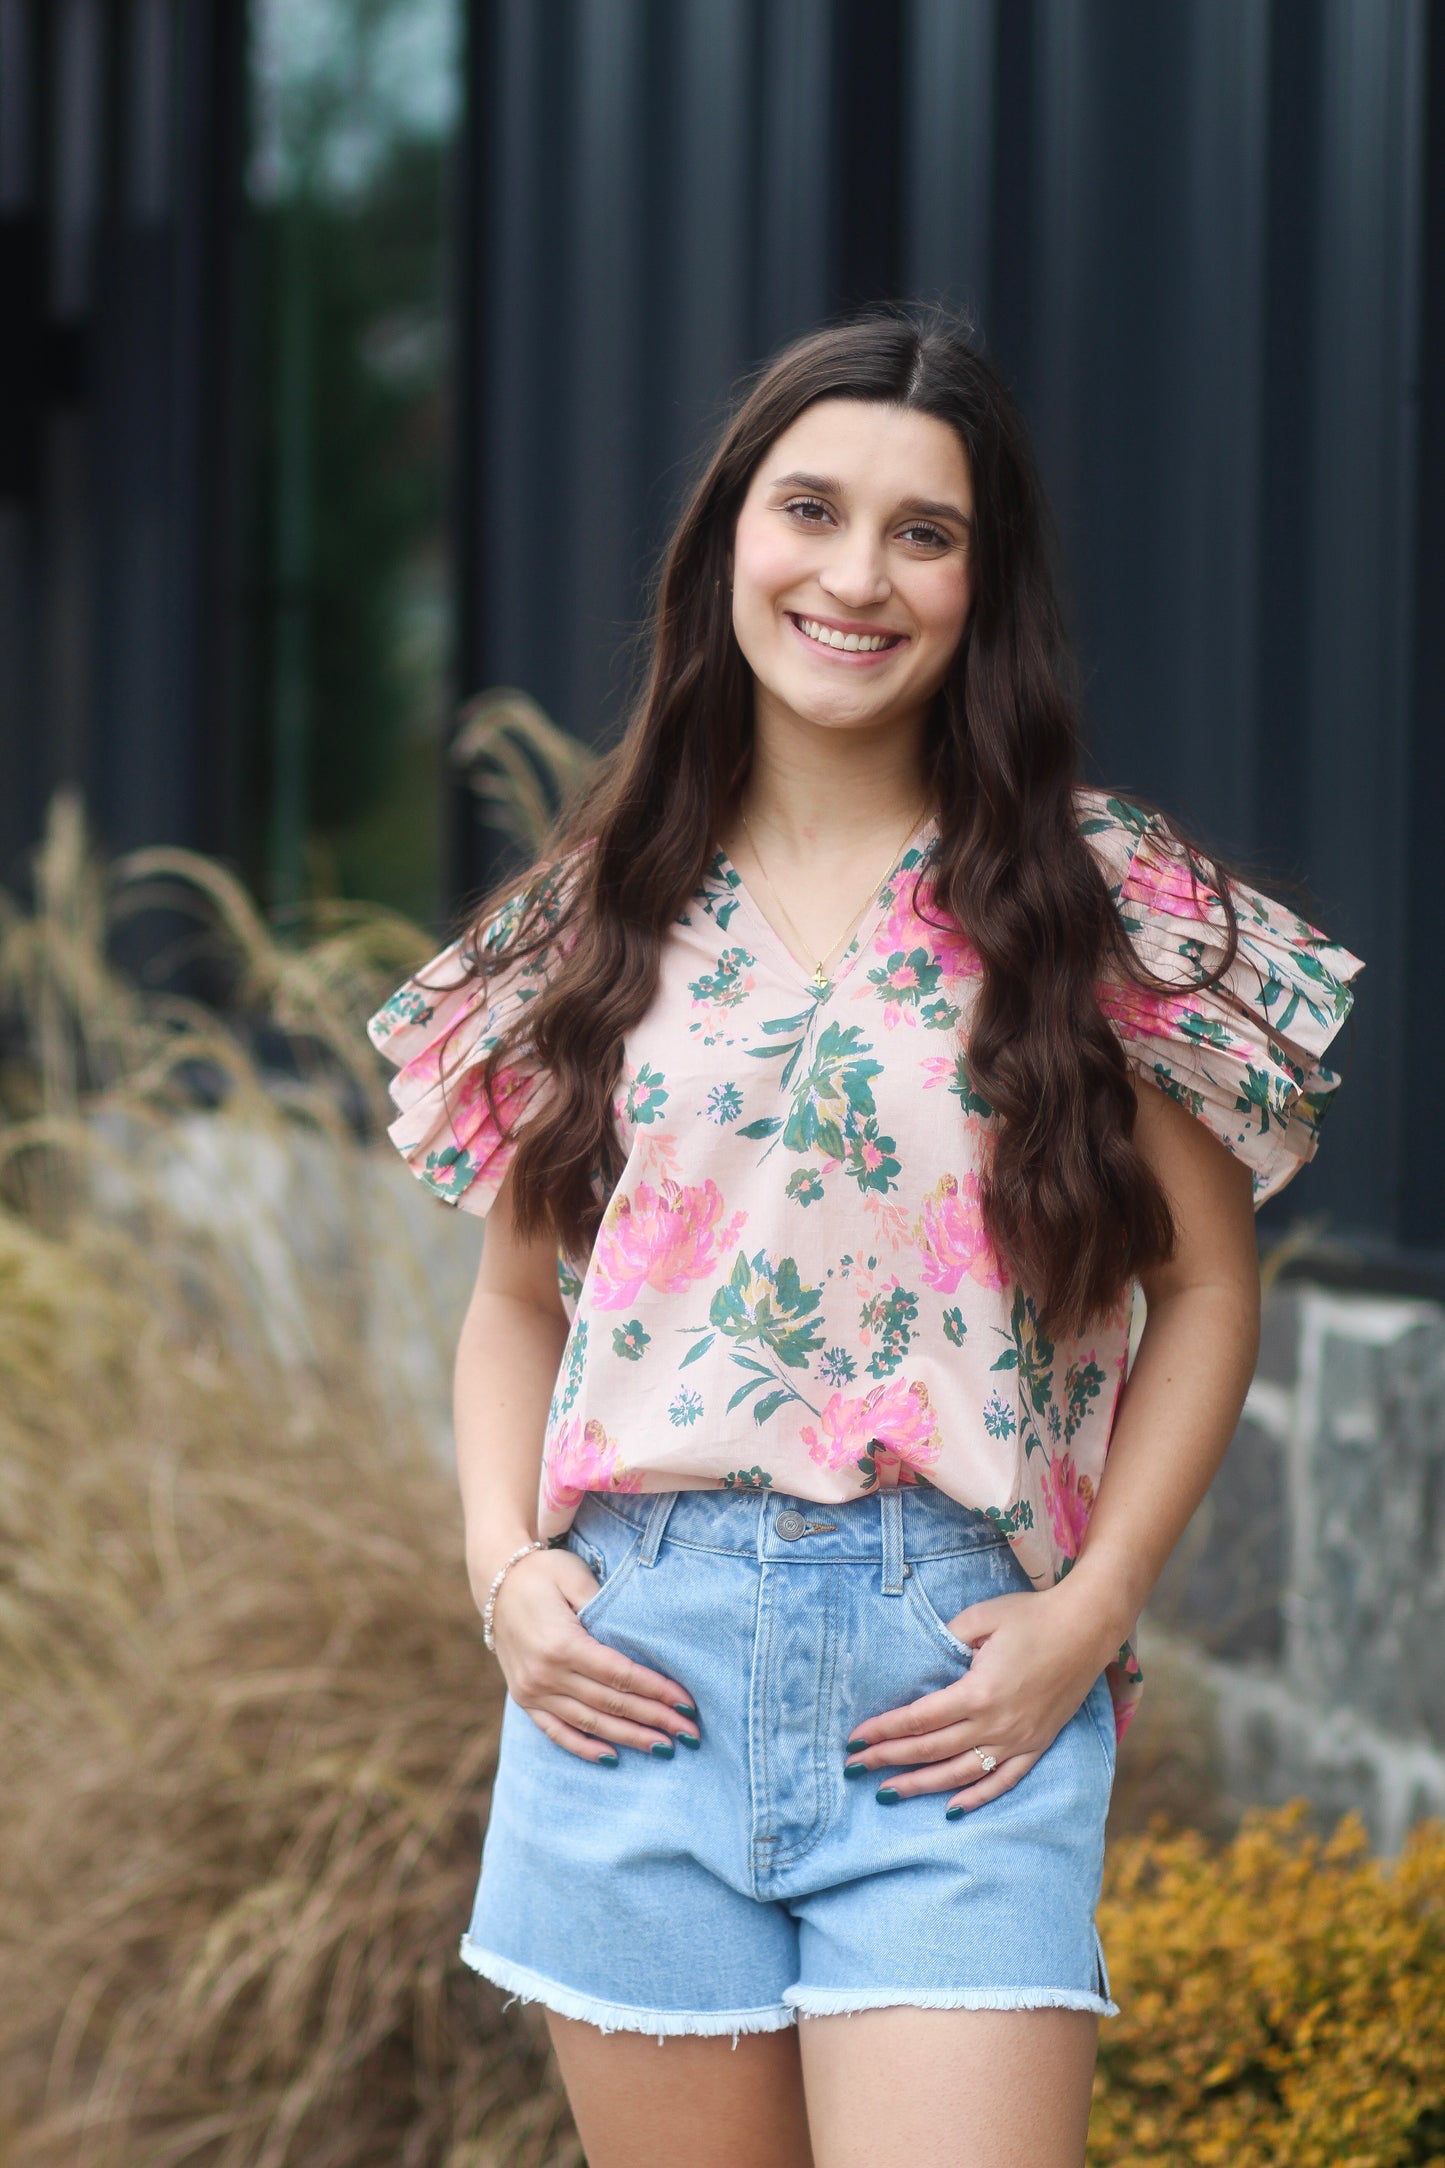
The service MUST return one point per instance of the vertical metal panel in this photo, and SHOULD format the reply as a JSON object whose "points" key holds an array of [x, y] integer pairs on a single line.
{"points": [[1364, 341], [792, 231], [951, 151], [1422, 1049]]}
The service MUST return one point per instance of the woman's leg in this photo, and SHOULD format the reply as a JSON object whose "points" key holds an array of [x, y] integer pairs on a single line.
{"points": [[949, 2088], [689, 2102]]}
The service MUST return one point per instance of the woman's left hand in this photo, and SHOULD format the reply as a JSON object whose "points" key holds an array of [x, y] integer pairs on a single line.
{"points": [[1035, 1659]]}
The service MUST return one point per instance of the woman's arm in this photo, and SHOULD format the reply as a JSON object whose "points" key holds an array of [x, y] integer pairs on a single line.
{"points": [[583, 1695], [1037, 1655]]}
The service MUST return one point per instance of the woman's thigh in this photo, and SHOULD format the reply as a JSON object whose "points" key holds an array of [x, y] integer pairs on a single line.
{"points": [[949, 2088], [686, 2101]]}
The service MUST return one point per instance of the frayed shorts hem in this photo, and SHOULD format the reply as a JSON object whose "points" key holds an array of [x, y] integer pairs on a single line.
{"points": [[528, 1986], [521, 1984], [810, 2002]]}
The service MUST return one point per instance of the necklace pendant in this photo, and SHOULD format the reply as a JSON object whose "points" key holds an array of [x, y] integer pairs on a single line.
{"points": [[821, 981]]}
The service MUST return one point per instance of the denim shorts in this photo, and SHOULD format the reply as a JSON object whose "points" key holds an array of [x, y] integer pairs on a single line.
{"points": [[734, 1888]]}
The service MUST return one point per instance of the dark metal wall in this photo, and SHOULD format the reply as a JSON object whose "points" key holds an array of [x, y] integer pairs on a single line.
{"points": [[120, 163], [1205, 242]]}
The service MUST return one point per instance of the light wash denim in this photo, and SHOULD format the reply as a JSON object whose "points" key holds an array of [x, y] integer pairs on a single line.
{"points": [[740, 1884]]}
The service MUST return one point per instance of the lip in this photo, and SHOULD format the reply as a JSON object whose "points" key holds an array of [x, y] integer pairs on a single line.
{"points": [[849, 658]]}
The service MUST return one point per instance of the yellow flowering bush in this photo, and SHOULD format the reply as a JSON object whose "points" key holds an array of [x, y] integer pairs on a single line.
{"points": [[1282, 2000]]}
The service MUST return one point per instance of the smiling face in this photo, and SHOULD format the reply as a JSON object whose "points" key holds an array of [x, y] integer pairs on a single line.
{"points": [[852, 566]]}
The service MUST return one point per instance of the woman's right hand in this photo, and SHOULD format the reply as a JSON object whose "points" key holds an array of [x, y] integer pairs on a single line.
{"points": [[582, 1694]]}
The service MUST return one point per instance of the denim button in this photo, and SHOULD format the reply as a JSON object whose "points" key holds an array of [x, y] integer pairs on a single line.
{"points": [[790, 1526]]}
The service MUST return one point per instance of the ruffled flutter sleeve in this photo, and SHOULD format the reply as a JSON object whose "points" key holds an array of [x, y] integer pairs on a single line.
{"points": [[1246, 1056], [438, 1028]]}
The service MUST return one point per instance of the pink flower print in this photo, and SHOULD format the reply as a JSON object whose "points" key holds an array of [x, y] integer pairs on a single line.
{"points": [[846, 1432], [902, 1419], [580, 1457], [1139, 1010], [952, 1239], [1164, 885], [917, 920], [897, 1415], [663, 1238], [1069, 1496]]}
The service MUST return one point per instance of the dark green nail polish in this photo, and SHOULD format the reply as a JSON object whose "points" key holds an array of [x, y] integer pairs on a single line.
{"points": [[607, 1761], [951, 1814], [886, 1796], [685, 1708], [855, 1746], [689, 1738], [663, 1747], [855, 1769]]}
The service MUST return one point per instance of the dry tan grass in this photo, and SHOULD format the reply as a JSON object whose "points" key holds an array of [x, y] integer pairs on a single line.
{"points": [[246, 1722]]}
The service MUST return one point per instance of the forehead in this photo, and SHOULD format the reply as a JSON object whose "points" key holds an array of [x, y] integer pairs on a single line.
{"points": [[872, 448]]}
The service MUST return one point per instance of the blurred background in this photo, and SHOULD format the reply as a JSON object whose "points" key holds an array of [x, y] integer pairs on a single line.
{"points": [[356, 357]]}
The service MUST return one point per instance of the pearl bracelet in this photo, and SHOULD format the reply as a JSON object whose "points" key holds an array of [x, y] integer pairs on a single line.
{"points": [[538, 1543]]}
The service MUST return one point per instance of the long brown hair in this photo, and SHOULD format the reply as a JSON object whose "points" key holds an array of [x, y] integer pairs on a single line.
{"points": [[1068, 1200]]}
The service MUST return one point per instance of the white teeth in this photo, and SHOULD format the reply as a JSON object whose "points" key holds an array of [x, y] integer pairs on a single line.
{"points": [[852, 642]]}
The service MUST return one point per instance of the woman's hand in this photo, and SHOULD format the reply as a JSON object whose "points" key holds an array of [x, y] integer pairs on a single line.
{"points": [[1036, 1655], [582, 1694]]}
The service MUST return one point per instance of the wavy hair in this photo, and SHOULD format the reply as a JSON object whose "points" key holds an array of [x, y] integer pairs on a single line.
{"points": [[1067, 1198]]}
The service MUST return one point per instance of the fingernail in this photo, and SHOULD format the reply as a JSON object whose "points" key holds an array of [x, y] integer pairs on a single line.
{"points": [[855, 1769], [886, 1796], [607, 1761], [689, 1738], [951, 1814], [662, 1747], [855, 1746], [685, 1708]]}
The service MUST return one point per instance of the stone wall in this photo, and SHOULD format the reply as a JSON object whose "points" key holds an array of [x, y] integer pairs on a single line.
{"points": [[1311, 1584]]}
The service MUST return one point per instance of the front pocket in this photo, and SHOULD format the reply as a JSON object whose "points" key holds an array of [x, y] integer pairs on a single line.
{"points": [[939, 1588], [928, 1605], [610, 1552]]}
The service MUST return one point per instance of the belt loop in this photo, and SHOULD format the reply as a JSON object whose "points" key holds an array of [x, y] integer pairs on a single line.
{"points": [[662, 1505], [892, 1508]]}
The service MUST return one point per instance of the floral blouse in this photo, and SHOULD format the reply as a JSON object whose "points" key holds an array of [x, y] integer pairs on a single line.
{"points": [[792, 1287]]}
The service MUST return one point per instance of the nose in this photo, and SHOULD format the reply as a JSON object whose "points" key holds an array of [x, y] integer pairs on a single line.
{"points": [[856, 575]]}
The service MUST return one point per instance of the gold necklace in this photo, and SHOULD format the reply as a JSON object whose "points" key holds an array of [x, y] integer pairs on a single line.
{"points": [[821, 980]]}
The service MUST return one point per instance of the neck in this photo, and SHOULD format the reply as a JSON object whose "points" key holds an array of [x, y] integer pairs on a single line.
{"points": [[835, 788]]}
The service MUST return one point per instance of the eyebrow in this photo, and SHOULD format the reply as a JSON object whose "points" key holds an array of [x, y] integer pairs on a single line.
{"points": [[926, 507]]}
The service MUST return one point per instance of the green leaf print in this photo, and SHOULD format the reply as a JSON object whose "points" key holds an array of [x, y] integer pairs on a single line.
{"points": [[1263, 1095], [767, 1127], [1180, 1092], [1019, 1516], [753, 1478], [955, 1325], [698, 1349], [1083, 1382], [574, 1362], [646, 1095], [838, 1085], [961, 1086], [408, 1006], [764, 1303], [450, 1172], [868, 1157], [804, 1185], [1035, 1353], [630, 1339], [790, 1052], [724, 984]]}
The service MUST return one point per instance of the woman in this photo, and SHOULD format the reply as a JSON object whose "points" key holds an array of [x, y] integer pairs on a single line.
{"points": [[856, 1061]]}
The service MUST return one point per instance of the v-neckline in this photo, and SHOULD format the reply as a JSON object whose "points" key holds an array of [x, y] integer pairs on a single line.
{"points": [[921, 839]]}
